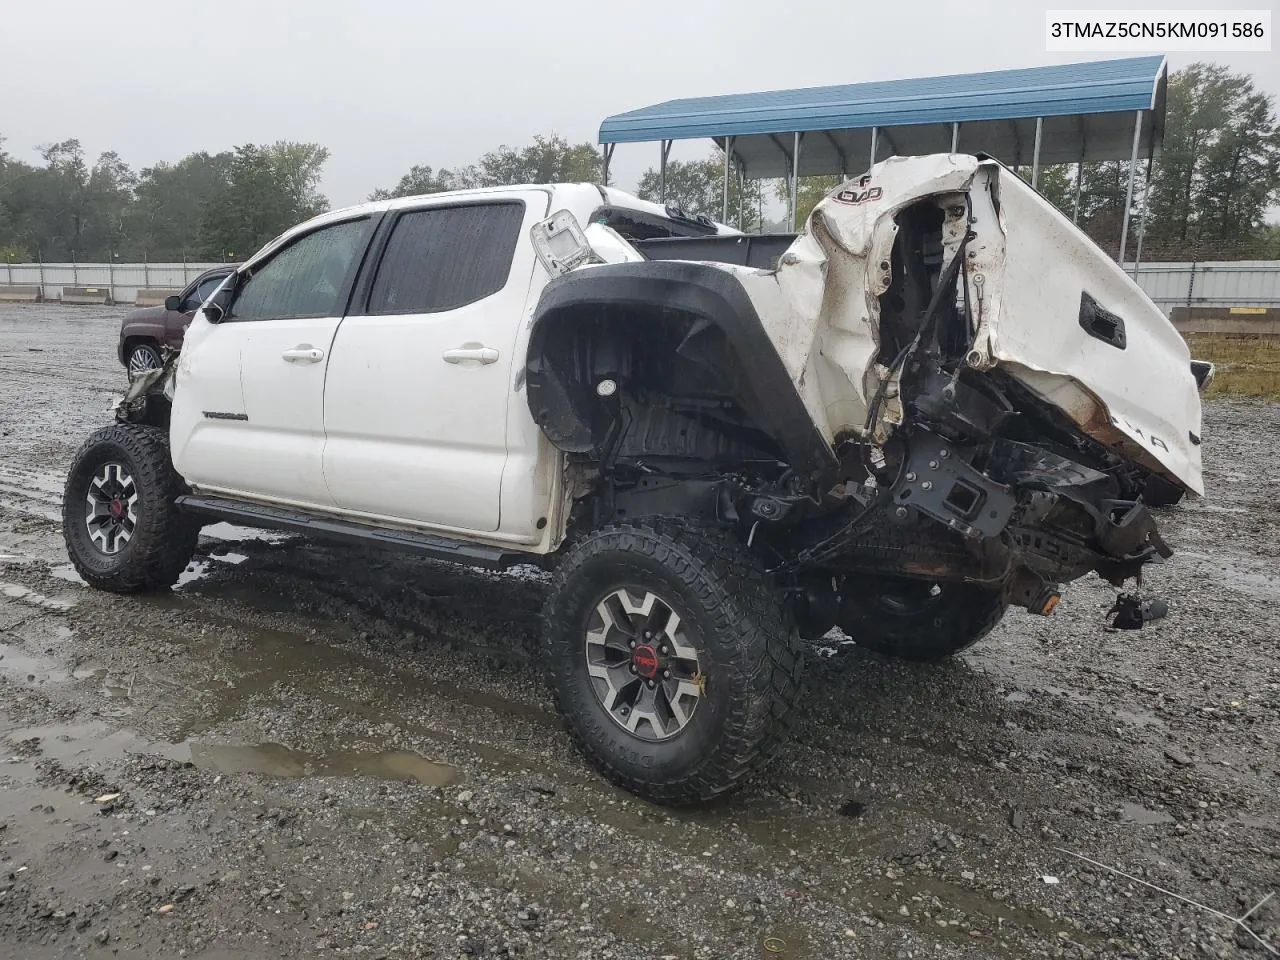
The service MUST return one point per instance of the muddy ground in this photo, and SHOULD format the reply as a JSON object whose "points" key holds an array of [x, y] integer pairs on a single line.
{"points": [[308, 751]]}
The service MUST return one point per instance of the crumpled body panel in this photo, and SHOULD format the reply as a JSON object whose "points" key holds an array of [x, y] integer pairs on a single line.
{"points": [[1028, 269]]}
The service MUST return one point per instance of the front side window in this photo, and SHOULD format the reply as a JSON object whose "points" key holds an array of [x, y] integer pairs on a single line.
{"points": [[305, 278], [204, 290], [443, 258]]}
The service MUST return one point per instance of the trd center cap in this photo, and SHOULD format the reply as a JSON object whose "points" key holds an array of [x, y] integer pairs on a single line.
{"points": [[645, 659]]}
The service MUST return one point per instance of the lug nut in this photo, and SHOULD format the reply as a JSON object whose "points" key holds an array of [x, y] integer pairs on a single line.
{"points": [[927, 485], [933, 464], [944, 453], [632, 668], [911, 476], [666, 674], [631, 643], [650, 684], [663, 648], [900, 513]]}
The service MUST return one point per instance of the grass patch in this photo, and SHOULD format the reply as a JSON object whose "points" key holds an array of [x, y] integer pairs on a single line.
{"points": [[1245, 366]]}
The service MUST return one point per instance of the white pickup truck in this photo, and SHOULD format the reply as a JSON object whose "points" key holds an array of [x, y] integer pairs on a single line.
{"points": [[938, 400]]}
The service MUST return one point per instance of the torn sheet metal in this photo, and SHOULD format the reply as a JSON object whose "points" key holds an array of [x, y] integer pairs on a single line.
{"points": [[1046, 304]]}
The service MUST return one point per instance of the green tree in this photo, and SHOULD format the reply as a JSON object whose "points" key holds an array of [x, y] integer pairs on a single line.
{"points": [[420, 179], [67, 208], [268, 190], [170, 199], [696, 187], [547, 160], [810, 191], [1219, 169]]}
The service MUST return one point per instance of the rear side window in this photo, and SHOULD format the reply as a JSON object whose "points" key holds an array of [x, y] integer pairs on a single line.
{"points": [[305, 278], [446, 257]]}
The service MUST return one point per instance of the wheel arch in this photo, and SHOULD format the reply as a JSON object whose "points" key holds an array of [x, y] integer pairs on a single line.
{"points": [[656, 326]]}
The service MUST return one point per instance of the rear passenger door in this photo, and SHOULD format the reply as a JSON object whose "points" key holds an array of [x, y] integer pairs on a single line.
{"points": [[420, 380]]}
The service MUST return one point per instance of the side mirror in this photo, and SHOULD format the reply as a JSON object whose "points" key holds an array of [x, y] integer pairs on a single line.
{"points": [[173, 303], [213, 312]]}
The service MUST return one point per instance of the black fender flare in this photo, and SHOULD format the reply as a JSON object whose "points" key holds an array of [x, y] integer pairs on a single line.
{"points": [[631, 292]]}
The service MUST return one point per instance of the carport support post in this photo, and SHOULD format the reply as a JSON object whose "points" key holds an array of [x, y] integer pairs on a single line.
{"points": [[955, 136], [608, 155], [1142, 220], [662, 172], [40, 259], [75, 270], [1075, 212], [8, 265], [728, 152], [875, 135], [795, 176], [111, 275], [146, 272], [1133, 169], [1035, 154]]}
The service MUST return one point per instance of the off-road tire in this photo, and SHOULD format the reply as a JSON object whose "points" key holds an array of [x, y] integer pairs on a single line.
{"points": [[926, 631], [1159, 492], [163, 539], [747, 647]]}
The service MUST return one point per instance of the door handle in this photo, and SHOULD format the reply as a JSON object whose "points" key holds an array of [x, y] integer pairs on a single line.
{"points": [[478, 353], [305, 353]]}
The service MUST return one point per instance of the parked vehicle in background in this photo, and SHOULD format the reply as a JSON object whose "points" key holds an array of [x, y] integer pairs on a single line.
{"points": [[940, 401], [145, 331]]}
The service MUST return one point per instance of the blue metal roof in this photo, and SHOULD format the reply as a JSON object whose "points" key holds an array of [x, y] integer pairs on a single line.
{"points": [[1077, 89]]}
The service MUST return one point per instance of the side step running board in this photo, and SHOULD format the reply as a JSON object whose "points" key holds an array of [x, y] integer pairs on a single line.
{"points": [[276, 518]]}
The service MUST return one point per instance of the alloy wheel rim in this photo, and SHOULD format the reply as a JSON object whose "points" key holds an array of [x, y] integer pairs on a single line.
{"points": [[643, 668], [111, 514], [142, 360]]}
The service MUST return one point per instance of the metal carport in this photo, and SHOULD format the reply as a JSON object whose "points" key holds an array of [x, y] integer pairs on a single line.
{"points": [[1071, 113]]}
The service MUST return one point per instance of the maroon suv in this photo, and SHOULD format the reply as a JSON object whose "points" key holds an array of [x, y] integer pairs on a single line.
{"points": [[145, 331]]}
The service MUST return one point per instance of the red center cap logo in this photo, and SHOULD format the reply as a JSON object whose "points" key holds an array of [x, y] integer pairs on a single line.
{"points": [[645, 660]]}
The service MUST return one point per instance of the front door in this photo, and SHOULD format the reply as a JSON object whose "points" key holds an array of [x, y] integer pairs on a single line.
{"points": [[248, 410], [421, 380]]}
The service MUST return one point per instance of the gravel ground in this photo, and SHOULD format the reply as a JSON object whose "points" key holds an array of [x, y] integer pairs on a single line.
{"points": [[308, 751]]}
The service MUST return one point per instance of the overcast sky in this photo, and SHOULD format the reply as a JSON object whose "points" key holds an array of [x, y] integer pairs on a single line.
{"points": [[385, 84]]}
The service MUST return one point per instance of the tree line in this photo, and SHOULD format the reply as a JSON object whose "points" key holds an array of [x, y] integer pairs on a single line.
{"points": [[1207, 196], [204, 207]]}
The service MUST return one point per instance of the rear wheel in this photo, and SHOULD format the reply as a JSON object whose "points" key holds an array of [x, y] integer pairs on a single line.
{"points": [[122, 529], [144, 357], [1159, 492], [916, 619], [673, 661]]}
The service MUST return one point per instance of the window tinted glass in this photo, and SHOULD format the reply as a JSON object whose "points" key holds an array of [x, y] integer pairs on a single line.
{"points": [[445, 258], [206, 288], [304, 279]]}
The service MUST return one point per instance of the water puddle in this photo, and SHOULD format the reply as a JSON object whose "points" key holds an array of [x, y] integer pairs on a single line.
{"points": [[1252, 583], [277, 760], [25, 668], [66, 571], [1137, 813], [96, 742], [16, 591]]}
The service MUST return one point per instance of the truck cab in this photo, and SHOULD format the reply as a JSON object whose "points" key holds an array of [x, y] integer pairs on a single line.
{"points": [[370, 362]]}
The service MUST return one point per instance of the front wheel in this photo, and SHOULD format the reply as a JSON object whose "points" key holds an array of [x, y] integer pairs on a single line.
{"points": [[672, 659], [916, 619], [121, 526], [144, 357]]}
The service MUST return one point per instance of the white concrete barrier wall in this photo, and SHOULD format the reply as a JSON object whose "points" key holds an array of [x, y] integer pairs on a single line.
{"points": [[1244, 283], [123, 279]]}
